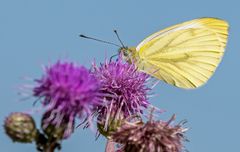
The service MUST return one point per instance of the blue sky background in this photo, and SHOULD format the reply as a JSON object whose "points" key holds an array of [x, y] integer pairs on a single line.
{"points": [[37, 32]]}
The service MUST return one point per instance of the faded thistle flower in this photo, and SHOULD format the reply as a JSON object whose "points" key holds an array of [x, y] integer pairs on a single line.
{"points": [[125, 93], [67, 91], [153, 136], [20, 127]]}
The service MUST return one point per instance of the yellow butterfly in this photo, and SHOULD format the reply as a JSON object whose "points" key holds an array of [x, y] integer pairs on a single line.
{"points": [[184, 55]]}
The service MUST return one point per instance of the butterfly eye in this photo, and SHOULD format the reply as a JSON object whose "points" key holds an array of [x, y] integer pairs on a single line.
{"points": [[125, 52]]}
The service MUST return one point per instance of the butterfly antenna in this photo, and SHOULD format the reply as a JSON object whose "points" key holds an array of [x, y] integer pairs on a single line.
{"points": [[87, 37], [115, 31]]}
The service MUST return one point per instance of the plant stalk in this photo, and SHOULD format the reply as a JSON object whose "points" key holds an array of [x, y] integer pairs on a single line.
{"points": [[110, 146]]}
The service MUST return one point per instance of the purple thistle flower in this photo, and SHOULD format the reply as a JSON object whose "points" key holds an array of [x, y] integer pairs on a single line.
{"points": [[125, 91], [68, 91], [153, 136]]}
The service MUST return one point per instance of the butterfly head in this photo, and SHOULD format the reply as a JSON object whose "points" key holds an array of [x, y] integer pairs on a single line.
{"points": [[128, 53]]}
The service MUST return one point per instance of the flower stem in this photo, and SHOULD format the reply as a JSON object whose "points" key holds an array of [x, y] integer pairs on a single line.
{"points": [[110, 147], [44, 144], [50, 148]]}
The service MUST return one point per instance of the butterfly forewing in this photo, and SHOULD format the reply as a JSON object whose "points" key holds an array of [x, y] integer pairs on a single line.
{"points": [[185, 55]]}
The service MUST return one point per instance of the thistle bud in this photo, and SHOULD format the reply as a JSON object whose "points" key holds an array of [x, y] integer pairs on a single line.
{"points": [[58, 131], [106, 129], [20, 127], [114, 121]]}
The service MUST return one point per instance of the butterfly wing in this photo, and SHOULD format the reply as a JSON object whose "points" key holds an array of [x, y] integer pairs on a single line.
{"points": [[185, 55]]}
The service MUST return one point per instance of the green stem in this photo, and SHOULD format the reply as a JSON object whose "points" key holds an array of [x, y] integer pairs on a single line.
{"points": [[50, 147], [45, 144]]}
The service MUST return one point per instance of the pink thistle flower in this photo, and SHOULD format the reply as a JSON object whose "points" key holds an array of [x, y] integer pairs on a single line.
{"points": [[125, 92], [68, 91]]}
